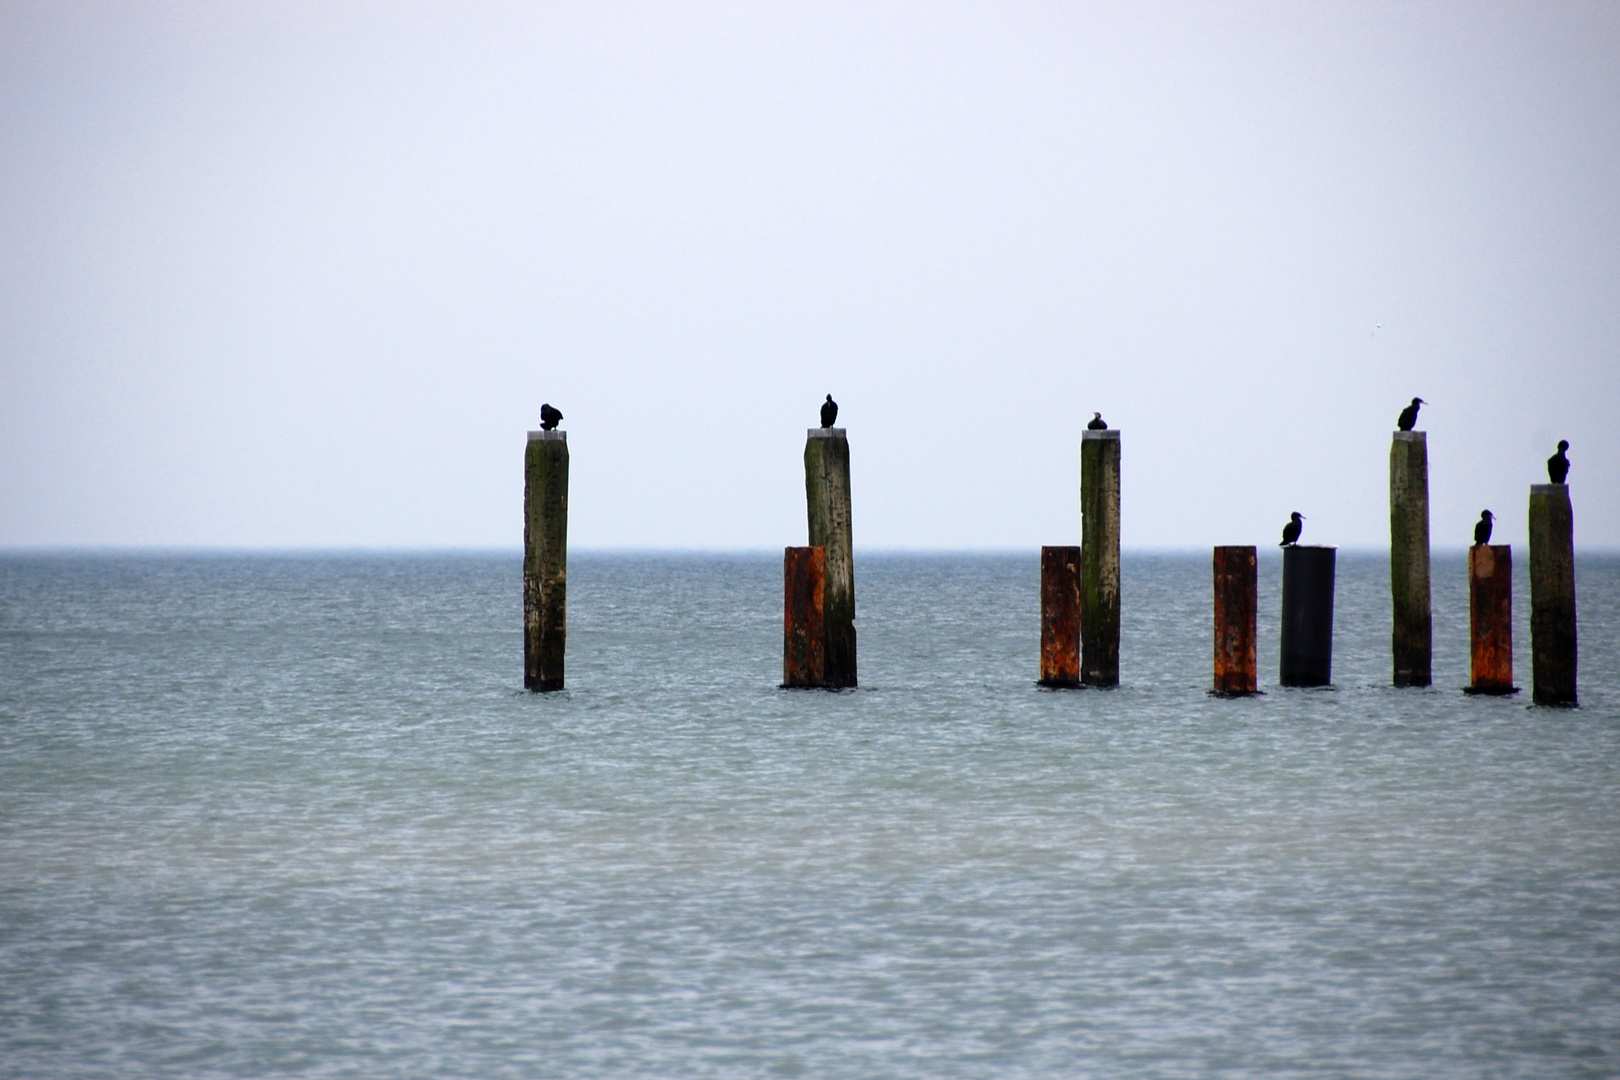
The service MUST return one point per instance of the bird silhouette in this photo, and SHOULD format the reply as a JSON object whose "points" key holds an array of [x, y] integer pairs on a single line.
{"points": [[1408, 415], [1482, 528], [829, 412], [1558, 464], [1291, 531], [549, 418], [1097, 423]]}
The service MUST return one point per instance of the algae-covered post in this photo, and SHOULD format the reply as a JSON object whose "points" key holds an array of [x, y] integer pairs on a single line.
{"points": [[826, 489], [1060, 616], [1490, 619], [1099, 557], [1307, 615], [1409, 557], [545, 559], [1236, 616], [804, 632], [1552, 595]]}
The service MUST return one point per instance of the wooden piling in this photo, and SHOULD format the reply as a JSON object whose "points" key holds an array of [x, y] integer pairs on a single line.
{"points": [[1412, 640], [1060, 616], [1552, 595], [804, 632], [545, 559], [1099, 557], [827, 498], [1307, 615], [1490, 619], [1237, 609]]}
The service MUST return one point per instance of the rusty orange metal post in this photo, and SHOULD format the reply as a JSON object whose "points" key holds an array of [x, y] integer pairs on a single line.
{"points": [[804, 632], [1490, 619], [1060, 616], [1237, 608]]}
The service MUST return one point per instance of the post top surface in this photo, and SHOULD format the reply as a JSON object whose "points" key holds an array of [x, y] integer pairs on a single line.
{"points": [[548, 436], [1111, 433], [1550, 489], [1311, 547], [825, 433], [1411, 436]]}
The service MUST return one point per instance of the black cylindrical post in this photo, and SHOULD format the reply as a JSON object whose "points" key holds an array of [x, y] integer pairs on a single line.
{"points": [[1307, 615]]}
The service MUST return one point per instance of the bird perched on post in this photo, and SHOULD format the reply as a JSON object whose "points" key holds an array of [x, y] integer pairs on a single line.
{"points": [[1408, 415], [1291, 531], [829, 412], [1097, 423], [1558, 464], [549, 418], [1482, 528]]}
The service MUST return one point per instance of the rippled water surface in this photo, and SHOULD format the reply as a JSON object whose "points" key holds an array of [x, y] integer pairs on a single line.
{"points": [[294, 816]]}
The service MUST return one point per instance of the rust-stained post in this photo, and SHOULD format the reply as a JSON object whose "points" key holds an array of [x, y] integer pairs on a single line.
{"points": [[1307, 615], [804, 633], [1060, 616], [1099, 557], [1552, 595], [1490, 619], [1412, 639], [1237, 610], [827, 498], [545, 559]]}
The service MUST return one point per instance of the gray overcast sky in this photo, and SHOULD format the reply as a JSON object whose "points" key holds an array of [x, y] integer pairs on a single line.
{"points": [[302, 274]]}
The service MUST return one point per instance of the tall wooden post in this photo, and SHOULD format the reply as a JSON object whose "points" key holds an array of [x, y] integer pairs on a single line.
{"points": [[1490, 619], [804, 631], [1409, 557], [1307, 615], [1099, 557], [545, 559], [826, 489], [1060, 616], [1237, 609], [1552, 595]]}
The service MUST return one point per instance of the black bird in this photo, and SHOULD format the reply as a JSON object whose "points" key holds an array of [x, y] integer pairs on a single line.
{"points": [[1408, 415], [1558, 464], [549, 418], [1291, 531], [1097, 423], [829, 412], [1482, 529]]}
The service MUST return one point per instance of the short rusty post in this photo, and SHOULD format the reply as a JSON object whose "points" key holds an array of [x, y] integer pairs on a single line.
{"points": [[1060, 616], [1099, 557], [1552, 595], [1237, 609], [804, 634], [1412, 638], [1307, 615], [545, 559], [827, 498], [1490, 619]]}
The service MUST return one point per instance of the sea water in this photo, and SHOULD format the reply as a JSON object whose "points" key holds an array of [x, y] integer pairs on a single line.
{"points": [[294, 815]]}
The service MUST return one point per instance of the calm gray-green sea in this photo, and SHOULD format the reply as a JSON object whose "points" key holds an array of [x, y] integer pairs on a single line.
{"points": [[294, 815]]}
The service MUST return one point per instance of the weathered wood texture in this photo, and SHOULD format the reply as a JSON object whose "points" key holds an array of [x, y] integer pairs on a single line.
{"points": [[545, 559], [1099, 558], [1552, 595], [1412, 639], [827, 498], [1307, 615], [804, 631], [1490, 618], [1237, 609], [1060, 616]]}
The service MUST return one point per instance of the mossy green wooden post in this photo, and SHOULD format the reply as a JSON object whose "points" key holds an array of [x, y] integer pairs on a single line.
{"points": [[545, 559], [1099, 557], [1412, 640], [827, 499], [1552, 595]]}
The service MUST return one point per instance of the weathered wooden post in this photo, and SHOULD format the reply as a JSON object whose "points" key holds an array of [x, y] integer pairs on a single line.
{"points": [[826, 489], [1490, 619], [1060, 616], [1099, 557], [1307, 615], [545, 559], [1409, 557], [1237, 609], [804, 631], [1552, 595]]}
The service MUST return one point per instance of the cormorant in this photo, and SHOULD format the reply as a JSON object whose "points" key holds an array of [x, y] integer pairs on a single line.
{"points": [[1558, 464], [1291, 531], [829, 412], [1482, 529], [549, 418], [1409, 414], [1097, 423]]}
